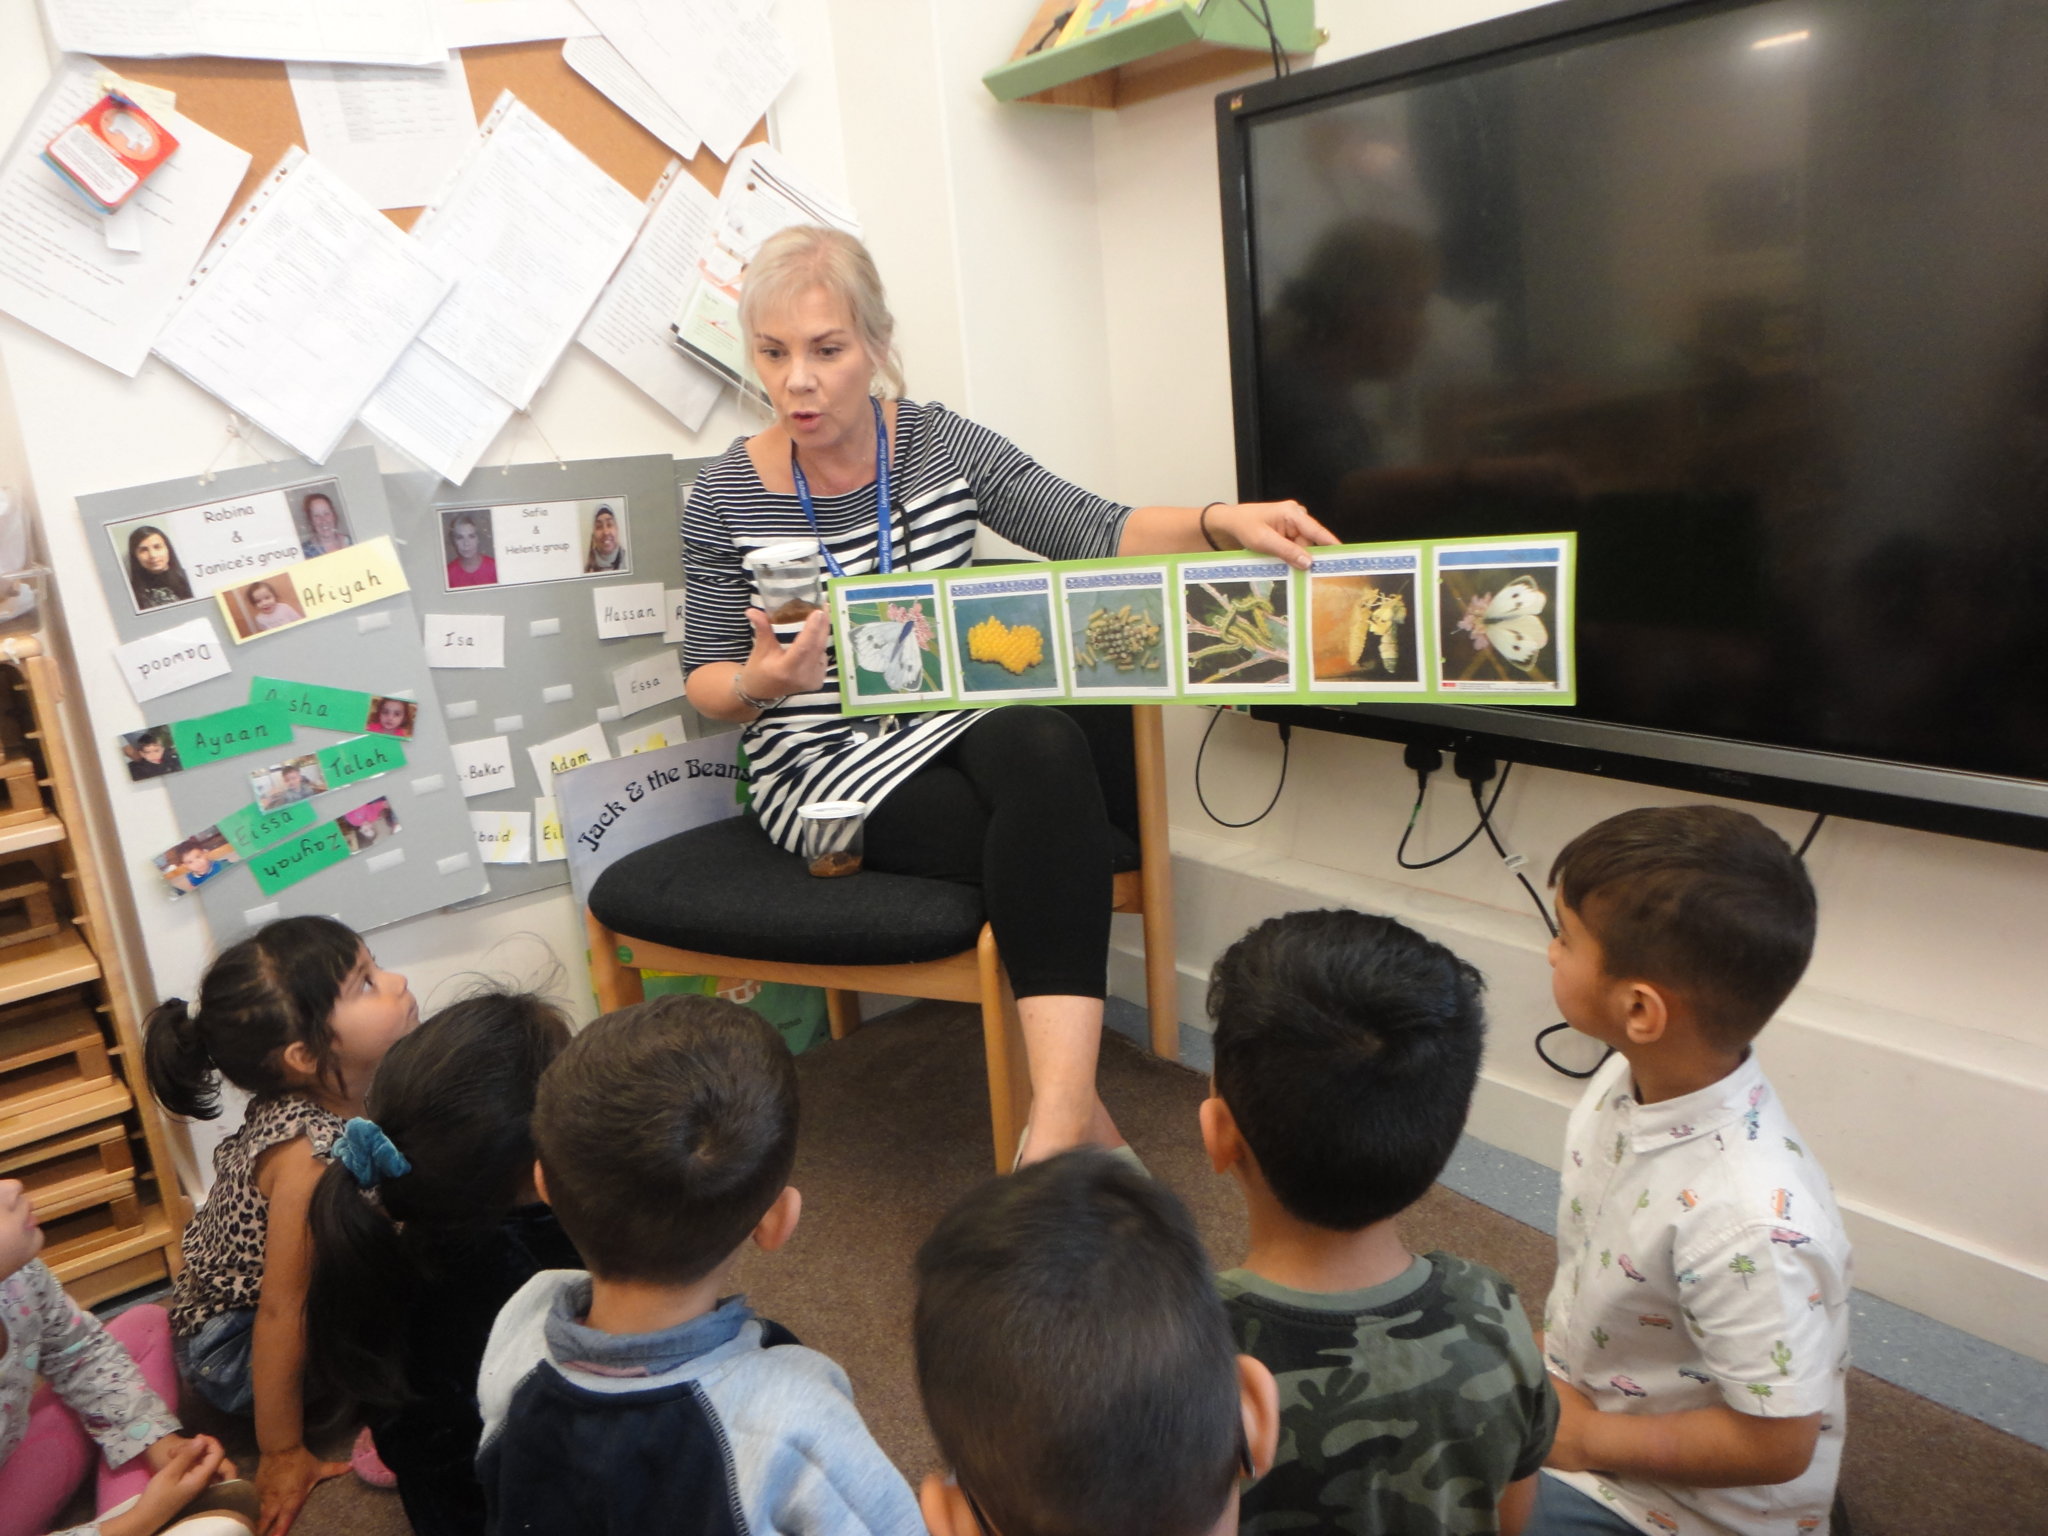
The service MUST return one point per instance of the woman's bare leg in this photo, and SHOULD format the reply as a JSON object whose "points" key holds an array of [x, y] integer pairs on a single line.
{"points": [[1062, 1038]]}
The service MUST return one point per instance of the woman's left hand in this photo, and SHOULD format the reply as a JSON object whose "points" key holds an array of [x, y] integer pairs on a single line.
{"points": [[1281, 528]]}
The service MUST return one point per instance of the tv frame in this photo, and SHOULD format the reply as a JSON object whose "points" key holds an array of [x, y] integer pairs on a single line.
{"points": [[1985, 807]]}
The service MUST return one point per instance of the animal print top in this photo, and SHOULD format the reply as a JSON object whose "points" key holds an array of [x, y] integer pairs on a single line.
{"points": [[224, 1243]]}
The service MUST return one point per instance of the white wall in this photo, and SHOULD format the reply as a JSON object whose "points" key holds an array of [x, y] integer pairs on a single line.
{"points": [[1059, 276], [1915, 1055]]}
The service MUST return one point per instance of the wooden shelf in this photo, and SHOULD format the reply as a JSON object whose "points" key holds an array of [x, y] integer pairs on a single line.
{"points": [[43, 965], [97, 1254], [65, 1115], [35, 833], [1135, 61]]}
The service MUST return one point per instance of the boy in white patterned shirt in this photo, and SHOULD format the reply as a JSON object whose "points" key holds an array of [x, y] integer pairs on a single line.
{"points": [[1698, 1327]]}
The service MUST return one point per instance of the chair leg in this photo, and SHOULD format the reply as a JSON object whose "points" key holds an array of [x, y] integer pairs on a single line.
{"points": [[842, 1011], [618, 985], [1002, 1035], [1162, 976]]}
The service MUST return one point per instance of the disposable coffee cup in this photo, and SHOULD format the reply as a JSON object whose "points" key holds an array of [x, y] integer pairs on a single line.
{"points": [[790, 577], [832, 836]]}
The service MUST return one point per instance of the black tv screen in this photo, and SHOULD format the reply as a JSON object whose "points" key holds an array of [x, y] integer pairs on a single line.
{"points": [[1755, 297]]}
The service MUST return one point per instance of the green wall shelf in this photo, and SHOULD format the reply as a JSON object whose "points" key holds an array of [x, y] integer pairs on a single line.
{"points": [[1138, 60]]}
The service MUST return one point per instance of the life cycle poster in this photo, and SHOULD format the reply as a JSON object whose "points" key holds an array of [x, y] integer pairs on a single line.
{"points": [[284, 706], [1468, 619]]}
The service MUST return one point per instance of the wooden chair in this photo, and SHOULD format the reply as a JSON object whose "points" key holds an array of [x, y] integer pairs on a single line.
{"points": [[723, 900]]}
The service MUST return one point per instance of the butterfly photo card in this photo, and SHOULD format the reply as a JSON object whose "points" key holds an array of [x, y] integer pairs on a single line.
{"points": [[1504, 619], [1367, 613], [1006, 635], [1118, 631], [1236, 617], [893, 641]]}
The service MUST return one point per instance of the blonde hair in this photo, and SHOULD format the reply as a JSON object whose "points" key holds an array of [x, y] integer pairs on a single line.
{"points": [[793, 261]]}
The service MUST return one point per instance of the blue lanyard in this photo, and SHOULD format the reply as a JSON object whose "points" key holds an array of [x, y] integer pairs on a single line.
{"points": [[885, 558]]}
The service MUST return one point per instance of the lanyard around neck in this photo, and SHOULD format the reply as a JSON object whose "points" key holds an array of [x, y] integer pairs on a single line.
{"points": [[885, 559]]}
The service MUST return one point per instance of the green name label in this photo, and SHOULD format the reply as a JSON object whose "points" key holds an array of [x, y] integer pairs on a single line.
{"points": [[324, 709], [247, 728], [364, 758], [306, 854], [252, 829]]}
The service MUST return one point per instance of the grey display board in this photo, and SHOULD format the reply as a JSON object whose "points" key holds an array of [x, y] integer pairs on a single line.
{"points": [[558, 675], [430, 861]]}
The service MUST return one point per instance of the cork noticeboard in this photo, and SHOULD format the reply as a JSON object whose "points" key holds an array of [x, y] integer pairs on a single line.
{"points": [[249, 103]]}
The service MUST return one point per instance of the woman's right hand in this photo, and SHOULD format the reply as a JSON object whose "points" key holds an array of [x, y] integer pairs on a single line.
{"points": [[775, 670], [285, 1479]]}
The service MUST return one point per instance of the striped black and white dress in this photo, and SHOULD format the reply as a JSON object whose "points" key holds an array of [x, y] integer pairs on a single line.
{"points": [[947, 476]]}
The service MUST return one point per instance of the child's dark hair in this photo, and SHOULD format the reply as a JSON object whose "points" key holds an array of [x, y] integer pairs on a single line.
{"points": [[666, 1130], [1703, 900], [276, 988], [456, 1098], [1074, 1359], [1347, 1047]]}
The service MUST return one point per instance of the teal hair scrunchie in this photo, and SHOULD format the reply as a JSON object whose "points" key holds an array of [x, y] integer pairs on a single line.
{"points": [[368, 1154]]}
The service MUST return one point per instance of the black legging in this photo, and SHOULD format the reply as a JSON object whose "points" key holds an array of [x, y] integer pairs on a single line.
{"points": [[1016, 806]]}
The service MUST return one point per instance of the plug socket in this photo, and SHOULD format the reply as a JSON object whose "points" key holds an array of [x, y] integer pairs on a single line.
{"points": [[1474, 765]]}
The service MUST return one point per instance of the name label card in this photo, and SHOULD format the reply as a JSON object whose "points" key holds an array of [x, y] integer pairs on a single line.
{"points": [[309, 704], [307, 854], [172, 659], [483, 766], [503, 837], [571, 751], [464, 639], [363, 758], [657, 679], [252, 829], [634, 610], [230, 733]]}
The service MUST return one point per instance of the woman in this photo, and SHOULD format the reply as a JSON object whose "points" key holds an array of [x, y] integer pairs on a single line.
{"points": [[605, 553], [1007, 799], [326, 525], [154, 574], [471, 567]]}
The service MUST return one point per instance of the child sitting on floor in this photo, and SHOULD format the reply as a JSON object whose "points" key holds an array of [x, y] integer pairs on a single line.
{"points": [[106, 1386], [1347, 1047], [423, 1227], [1699, 1324], [1075, 1363], [299, 1014], [640, 1396]]}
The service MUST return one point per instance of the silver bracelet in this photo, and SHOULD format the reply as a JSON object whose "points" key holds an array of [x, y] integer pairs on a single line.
{"points": [[746, 698]]}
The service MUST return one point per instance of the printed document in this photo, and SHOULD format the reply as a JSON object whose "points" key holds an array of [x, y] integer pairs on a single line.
{"points": [[481, 23], [606, 68], [358, 32], [296, 317], [629, 326], [430, 410], [57, 272], [720, 63], [395, 135]]}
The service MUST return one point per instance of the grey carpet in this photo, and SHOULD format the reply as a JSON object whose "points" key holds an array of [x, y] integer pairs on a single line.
{"points": [[895, 1129]]}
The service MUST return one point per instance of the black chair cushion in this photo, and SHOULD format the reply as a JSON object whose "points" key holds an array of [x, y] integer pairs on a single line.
{"points": [[725, 889]]}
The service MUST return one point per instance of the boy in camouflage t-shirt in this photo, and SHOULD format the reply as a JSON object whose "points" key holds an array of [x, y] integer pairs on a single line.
{"points": [[1413, 1400]]}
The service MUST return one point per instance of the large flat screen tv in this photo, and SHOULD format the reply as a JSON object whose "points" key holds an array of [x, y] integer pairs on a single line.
{"points": [[1755, 297]]}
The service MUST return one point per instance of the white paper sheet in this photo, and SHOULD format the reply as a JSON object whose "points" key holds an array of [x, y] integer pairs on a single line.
{"points": [[764, 192], [483, 766], [56, 272], [628, 610], [463, 640], [482, 23], [503, 837], [533, 231], [629, 328], [658, 679], [430, 410], [652, 737], [720, 63], [296, 316], [672, 615], [395, 135], [606, 68], [571, 751], [172, 659], [547, 831], [357, 32]]}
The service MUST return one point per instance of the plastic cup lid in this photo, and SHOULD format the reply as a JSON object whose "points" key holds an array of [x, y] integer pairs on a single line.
{"points": [[792, 553], [832, 810]]}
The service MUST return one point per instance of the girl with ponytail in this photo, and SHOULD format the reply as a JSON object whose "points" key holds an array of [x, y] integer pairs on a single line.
{"points": [[424, 1225], [298, 1015]]}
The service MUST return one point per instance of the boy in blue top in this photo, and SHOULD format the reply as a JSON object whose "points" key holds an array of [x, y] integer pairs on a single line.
{"points": [[1413, 1400], [640, 1397], [1699, 1324]]}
